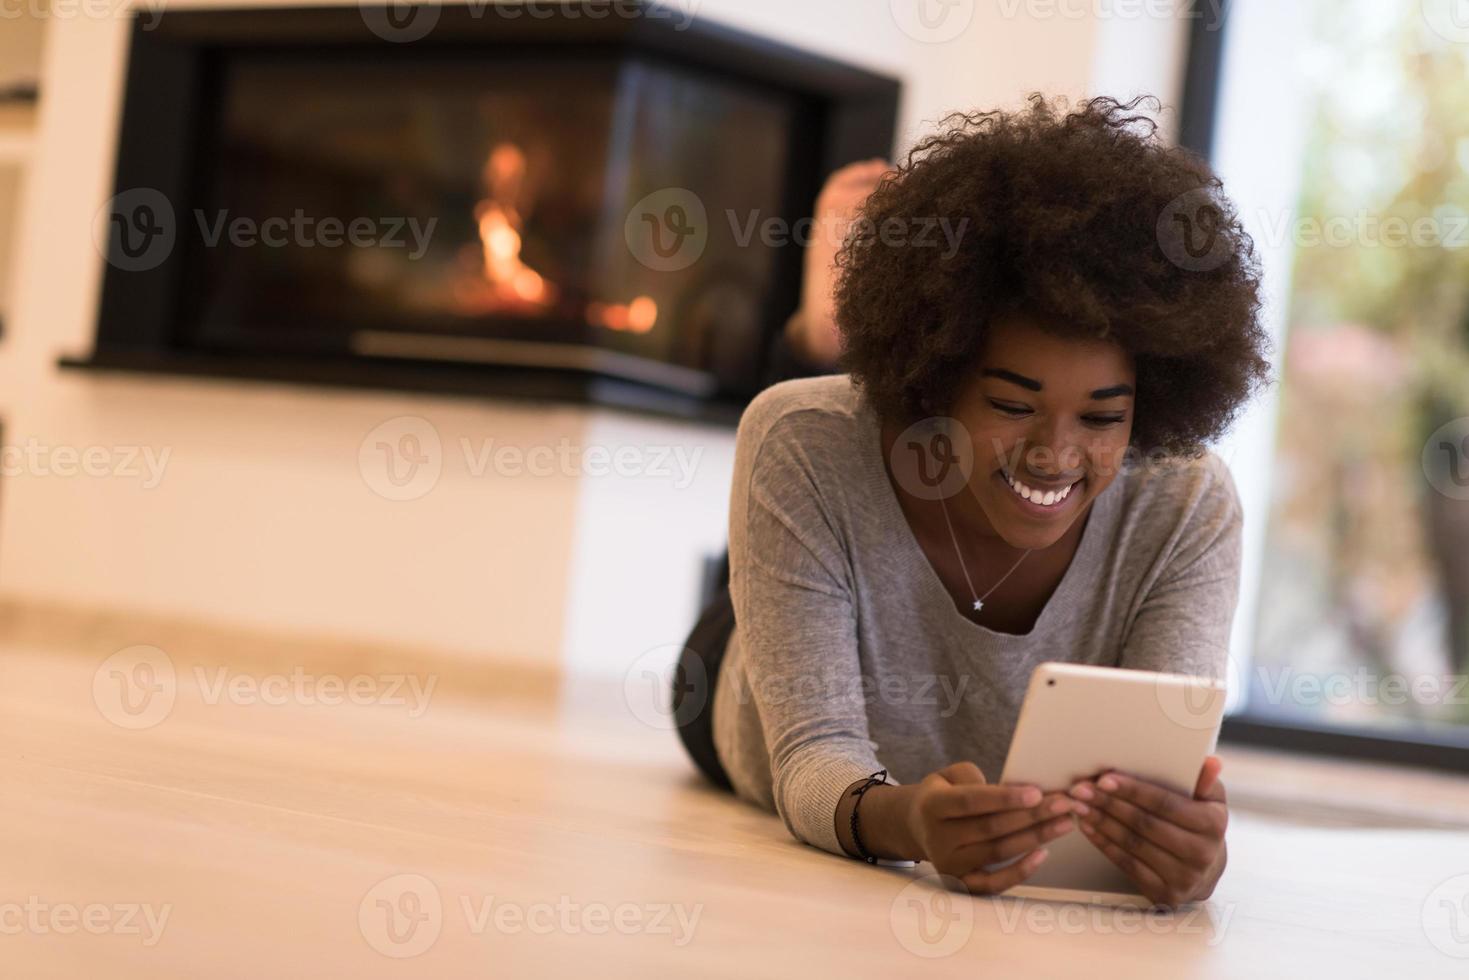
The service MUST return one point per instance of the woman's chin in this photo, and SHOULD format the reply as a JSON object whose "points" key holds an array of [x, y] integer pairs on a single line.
{"points": [[1030, 535]]}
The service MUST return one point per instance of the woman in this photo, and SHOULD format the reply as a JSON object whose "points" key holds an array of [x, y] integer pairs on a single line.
{"points": [[1012, 471]]}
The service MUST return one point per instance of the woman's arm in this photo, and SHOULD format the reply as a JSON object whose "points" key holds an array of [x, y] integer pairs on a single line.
{"points": [[789, 583], [794, 605]]}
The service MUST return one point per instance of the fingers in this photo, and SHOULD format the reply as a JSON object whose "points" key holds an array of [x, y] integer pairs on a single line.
{"points": [[994, 882], [1148, 881], [962, 791], [1199, 816], [969, 800], [963, 772], [1134, 834], [993, 850], [1001, 823], [1208, 787], [1183, 847]]}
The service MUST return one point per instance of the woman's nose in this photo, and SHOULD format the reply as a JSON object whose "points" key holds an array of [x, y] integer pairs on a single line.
{"points": [[1057, 450]]}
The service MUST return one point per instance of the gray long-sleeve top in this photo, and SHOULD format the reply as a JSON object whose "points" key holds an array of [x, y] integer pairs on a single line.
{"points": [[849, 655]]}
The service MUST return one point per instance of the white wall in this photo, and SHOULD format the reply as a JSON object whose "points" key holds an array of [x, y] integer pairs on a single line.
{"points": [[21, 29], [1136, 54], [264, 515]]}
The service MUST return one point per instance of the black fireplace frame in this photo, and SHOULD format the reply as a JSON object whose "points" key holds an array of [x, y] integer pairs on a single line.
{"points": [[852, 109]]}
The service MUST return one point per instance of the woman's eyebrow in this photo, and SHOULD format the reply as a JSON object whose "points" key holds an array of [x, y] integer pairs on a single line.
{"points": [[1115, 391], [1011, 377]]}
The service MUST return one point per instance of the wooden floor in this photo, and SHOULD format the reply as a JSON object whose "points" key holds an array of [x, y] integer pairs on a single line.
{"points": [[519, 836]]}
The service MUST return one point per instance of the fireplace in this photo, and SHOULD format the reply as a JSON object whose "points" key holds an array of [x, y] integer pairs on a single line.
{"points": [[564, 206]]}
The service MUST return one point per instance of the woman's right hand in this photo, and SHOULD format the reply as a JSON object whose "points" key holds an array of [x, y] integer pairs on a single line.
{"points": [[962, 823]]}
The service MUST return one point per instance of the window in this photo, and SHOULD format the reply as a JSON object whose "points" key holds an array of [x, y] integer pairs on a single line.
{"points": [[1341, 131]]}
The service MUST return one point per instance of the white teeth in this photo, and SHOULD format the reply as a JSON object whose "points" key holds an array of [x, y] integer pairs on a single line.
{"points": [[1048, 498]]}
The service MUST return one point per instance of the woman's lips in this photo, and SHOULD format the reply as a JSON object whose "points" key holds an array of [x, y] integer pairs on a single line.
{"points": [[1030, 500]]}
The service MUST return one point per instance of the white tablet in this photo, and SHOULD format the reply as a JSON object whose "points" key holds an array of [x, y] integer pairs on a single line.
{"points": [[1078, 720]]}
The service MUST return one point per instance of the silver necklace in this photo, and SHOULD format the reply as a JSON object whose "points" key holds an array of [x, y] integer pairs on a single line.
{"points": [[978, 599]]}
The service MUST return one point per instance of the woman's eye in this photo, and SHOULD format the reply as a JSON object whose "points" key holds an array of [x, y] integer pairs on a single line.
{"points": [[1013, 410], [1102, 421]]}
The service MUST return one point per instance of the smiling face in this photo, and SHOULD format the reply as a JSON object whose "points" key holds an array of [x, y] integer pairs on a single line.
{"points": [[1050, 419]]}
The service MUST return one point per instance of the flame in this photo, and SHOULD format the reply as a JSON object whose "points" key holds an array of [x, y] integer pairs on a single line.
{"points": [[635, 317], [502, 282]]}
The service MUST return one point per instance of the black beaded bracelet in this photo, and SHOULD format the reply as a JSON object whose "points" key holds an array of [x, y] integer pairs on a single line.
{"points": [[876, 779]]}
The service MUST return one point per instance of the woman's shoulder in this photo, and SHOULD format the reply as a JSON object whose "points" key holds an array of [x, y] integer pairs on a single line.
{"points": [[815, 412], [1181, 483], [1188, 504]]}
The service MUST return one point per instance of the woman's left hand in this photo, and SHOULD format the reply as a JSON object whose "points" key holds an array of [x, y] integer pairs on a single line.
{"points": [[1170, 845]]}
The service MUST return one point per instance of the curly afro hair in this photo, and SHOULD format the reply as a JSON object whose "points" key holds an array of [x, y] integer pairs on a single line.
{"points": [[1083, 221]]}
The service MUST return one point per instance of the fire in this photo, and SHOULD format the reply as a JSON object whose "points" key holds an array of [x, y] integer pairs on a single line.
{"points": [[503, 283], [635, 317]]}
